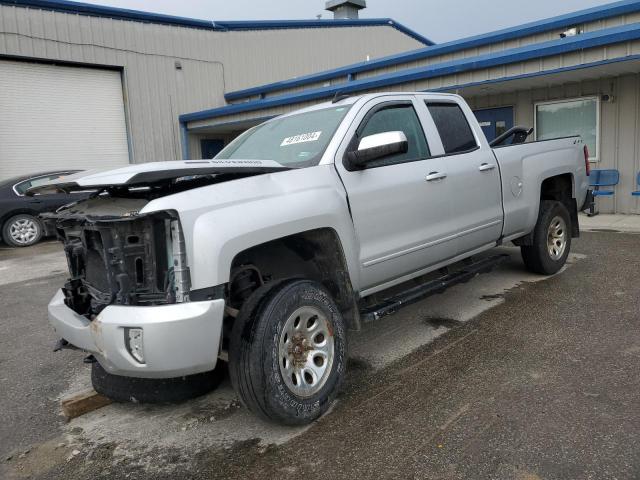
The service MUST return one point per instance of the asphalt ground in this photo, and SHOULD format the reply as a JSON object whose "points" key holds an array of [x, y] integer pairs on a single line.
{"points": [[509, 376]]}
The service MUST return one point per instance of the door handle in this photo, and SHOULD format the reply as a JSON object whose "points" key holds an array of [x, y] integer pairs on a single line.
{"points": [[433, 176], [485, 167]]}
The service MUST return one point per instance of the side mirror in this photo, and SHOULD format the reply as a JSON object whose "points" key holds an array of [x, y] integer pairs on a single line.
{"points": [[378, 146]]}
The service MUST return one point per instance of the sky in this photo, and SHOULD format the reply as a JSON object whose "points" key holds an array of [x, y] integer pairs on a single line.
{"points": [[438, 20]]}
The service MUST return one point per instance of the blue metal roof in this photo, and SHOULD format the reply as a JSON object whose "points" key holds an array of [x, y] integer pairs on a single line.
{"points": [[554, 47], [541, 26], [147, 17]]}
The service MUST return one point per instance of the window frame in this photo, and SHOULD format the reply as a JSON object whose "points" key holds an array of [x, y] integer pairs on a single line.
{"points": [[592, 158], [314, 109], [428, 102], [372, 111], [38, 177]]}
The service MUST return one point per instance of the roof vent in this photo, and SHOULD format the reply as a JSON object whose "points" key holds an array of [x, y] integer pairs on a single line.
{"points": [[345, 8]]}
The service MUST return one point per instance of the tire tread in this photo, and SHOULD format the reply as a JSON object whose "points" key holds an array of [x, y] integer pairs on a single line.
{"points": [[151, 390], [535, 256], [251, 342]]}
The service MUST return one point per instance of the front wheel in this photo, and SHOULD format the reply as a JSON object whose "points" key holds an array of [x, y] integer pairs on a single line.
{"points": [[287, 355], [551, 239]]}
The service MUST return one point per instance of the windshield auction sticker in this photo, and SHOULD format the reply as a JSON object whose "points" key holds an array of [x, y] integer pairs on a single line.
{"points": [[302, 138]]}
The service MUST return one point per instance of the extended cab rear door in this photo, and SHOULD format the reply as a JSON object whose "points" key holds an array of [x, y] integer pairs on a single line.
{"points": [[473, 174], [400, 205]]}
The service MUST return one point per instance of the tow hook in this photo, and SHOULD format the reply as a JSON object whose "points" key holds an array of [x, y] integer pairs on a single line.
{"points": [[89, 359], [62, 344]]}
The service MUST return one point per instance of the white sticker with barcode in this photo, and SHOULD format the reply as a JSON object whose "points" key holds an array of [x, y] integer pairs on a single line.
{"points": [[302, 138]]}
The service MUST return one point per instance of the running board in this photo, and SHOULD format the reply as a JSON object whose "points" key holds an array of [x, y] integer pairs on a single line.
{"points": [[393, 304]]}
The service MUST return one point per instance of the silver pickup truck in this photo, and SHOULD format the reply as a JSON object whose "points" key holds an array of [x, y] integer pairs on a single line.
{"points": [[295, 233]]}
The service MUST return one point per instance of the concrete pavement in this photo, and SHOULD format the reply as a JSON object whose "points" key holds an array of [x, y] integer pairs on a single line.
{"points": [[610, 222], [22, 264], [502, 377]]}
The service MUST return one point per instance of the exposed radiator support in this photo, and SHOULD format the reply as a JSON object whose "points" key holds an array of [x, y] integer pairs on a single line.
{"points": [[180, 268]]}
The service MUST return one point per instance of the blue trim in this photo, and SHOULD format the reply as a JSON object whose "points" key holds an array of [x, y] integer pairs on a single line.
{"points": [[109, 12], [234, 123], [541, 26], [225, 26], [521, 54], [359, 22], [407, 31], [184, 141]]}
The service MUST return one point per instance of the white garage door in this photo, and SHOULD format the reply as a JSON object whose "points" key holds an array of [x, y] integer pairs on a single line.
{"points": [[54, 117]]}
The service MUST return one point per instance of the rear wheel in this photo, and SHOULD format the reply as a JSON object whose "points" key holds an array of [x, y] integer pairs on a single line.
{"points": [[551, 239], [287, 355], [22, 231]]}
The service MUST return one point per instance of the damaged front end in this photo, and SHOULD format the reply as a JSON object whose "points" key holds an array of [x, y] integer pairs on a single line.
{"points": [[128, 299], [116, 256]]}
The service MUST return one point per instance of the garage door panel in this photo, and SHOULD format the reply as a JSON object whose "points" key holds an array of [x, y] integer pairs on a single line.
{"points": [[58, 117]]}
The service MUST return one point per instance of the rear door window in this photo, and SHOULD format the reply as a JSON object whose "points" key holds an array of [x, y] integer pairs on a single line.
{"points": [[453, 127]]}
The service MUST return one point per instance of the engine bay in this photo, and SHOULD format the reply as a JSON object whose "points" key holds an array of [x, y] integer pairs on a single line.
{"points": [[117, 256]]}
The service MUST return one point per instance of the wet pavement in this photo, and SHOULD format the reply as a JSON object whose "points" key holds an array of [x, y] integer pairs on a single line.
{"points": [[538, 382]]}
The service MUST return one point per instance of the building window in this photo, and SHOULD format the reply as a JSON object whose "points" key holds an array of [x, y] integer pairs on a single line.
{"points": [[568, 118]]}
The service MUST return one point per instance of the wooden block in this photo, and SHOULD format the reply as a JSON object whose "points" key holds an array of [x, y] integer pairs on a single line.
{"points": [[83, 402]]}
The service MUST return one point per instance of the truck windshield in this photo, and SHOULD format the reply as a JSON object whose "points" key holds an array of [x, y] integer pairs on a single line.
{"points": [[294, 141]]}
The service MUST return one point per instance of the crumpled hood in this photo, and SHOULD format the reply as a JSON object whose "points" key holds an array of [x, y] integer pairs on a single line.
{"points": [[146, 174]]}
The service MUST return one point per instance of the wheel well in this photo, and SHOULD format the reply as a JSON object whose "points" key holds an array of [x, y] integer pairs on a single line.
{"points": [[18, 211], [560, 188], [315, 254]]}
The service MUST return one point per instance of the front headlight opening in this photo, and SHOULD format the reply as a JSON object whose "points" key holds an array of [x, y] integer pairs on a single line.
{"points": [[180, 270]]}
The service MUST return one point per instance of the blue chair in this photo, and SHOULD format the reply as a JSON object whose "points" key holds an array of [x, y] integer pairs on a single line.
{"points": [[637, 193], [602, 178]]}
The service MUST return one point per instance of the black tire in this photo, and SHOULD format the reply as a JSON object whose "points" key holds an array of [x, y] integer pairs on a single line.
{"points": [[254, 363], [23, 217], [537, 257], [152, 390]]}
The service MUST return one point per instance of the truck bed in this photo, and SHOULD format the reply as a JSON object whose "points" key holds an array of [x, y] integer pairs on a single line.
{"points": [[534, 161]]}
